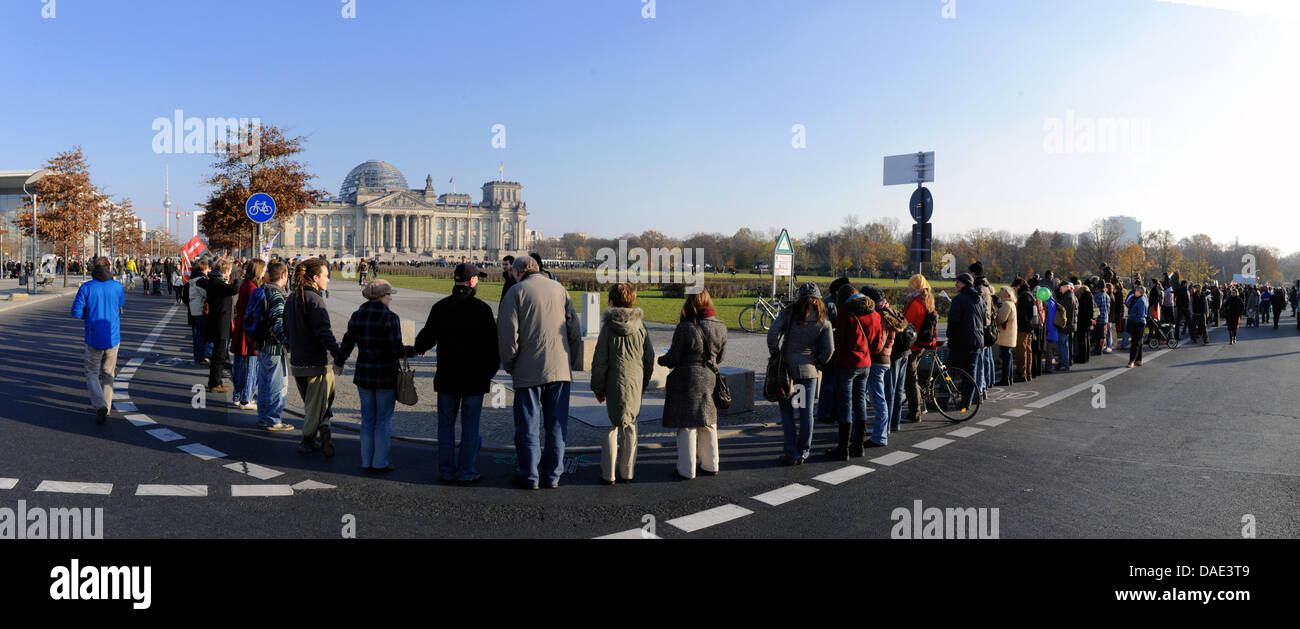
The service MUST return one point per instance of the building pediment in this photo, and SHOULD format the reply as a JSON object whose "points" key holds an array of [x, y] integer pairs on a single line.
{"points": [[401, 199]]}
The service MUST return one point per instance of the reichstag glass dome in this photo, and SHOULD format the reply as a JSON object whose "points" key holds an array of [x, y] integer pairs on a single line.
{"points": [[378, 175]]}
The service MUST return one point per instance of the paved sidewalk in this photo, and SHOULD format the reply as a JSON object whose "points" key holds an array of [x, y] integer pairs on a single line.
{"points": [[54, 290]]}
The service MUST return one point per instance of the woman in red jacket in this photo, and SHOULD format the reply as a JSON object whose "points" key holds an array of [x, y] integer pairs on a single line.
{"points": [[242, 346], [857, 335], [919, 305]]}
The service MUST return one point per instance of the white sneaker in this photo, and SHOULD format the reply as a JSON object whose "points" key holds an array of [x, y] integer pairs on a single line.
{"points": [[252, 406]]}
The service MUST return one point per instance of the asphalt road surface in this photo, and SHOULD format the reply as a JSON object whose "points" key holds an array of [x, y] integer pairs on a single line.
{"points": [[1189, 445]]}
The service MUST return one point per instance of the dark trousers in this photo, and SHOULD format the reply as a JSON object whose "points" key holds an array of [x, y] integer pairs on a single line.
{"points": [[1135, 330], [1036, 354], [1081, 351], [1277, 314], [220, 359], [1004, 355], [964, 359], [1182, 322], [1198, 327]]}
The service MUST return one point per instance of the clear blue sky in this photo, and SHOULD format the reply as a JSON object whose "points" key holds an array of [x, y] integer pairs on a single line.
{"points": [[682, 123]]}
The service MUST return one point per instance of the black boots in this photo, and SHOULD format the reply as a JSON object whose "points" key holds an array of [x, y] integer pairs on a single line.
{"points": [[841, 450], [860, 435], [326, 443]]}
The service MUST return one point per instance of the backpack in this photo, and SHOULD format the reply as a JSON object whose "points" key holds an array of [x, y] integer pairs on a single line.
{"points": [[904, 333], [1061, 318], [929, 331], [257, 316]]}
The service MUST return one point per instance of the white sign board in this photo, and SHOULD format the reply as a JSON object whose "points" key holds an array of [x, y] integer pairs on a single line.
{"points": [[784, 264], [1243, 279], [909, 168]]}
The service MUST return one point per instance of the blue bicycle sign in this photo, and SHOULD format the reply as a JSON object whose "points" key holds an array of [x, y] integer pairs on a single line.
{"points": [[260, 207]]}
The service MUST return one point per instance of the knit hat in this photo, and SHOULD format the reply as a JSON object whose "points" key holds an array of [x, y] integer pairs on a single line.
{"points": [[809, 289], [965, 277], [835, 285], [873, 293], [977, 268]]}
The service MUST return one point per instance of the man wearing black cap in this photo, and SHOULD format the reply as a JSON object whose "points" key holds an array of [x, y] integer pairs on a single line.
{"points": [[461, 327]]}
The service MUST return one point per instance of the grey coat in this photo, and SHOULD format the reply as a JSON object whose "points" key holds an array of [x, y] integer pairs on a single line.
{"points": [[689, 399], [538, 334], [622, 364], [809, 348]]}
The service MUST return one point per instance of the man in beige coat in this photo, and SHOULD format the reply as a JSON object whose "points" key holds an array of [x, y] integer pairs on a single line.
{"points": [[538, 339]]}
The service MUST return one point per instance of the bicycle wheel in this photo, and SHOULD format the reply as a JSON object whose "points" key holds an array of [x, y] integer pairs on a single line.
{"points": [[765, 319], [947, 386], [750, 320]]}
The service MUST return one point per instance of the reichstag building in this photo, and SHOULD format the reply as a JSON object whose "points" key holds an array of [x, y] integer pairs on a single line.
{"points": [[376, 215]]}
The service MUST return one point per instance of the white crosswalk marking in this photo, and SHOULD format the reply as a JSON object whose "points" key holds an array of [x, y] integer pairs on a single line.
{"points": [[311, 484], [968, 431], [8, 483], [933, 443], [172, 490], [165, 434], [709, 517], [202, 451], [66, 487], [260, 490], [125, 407], [630, 534], [894, 458], [140, 420], [254, 470], [846, 473], [993, 421], [785, 494], [135, 362], [1020, 412]]}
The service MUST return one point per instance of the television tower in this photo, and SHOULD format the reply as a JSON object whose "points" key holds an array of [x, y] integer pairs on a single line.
{"points": [[167, 199]]}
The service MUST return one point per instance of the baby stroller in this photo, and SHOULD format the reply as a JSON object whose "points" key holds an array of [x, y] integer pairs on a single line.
{"points": [[157, 282], [1161, 334], [1252, 318]]}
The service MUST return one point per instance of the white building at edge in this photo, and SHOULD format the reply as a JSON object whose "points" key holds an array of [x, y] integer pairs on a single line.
{"points": [[375, 215]]}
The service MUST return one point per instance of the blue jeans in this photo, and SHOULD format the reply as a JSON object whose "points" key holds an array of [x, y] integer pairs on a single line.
{"points": [[376, 425], [988, 368], [979, 370], [826, 393], [200, 341], [271, 388], [879, 405], [1064, 345], [544, 406], [241, 375], [851, 398], [797, 422], [895, 378], [470, 407]]}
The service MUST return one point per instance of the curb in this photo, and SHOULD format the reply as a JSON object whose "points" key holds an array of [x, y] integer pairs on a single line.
{"points": [[495, 448], [6, 306]]}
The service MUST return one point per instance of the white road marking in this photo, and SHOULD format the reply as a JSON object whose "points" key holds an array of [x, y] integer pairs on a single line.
{"points": [[165, 434], [8, 483], [1020, 412], [140, 420], [311, 484], [993, 421], [846, 473], [260, 490], [202, 451], [933, 443], [630, 534], [135, 362], [66, 487], [968, 431], [118, 384], [709, 517], [785, 494], [172, 490], [254, 470], [894, 458], [1085, 386], [125, 407]]}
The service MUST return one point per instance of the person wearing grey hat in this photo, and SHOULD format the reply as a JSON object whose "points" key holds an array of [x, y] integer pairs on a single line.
{"points": [[803, 335]]}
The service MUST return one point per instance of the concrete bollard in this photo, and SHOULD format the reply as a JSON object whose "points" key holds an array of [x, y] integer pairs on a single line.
{"points": [[741, 383], [590, 314], [17, 296]]}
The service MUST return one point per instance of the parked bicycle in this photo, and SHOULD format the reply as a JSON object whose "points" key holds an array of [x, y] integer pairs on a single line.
{"points": [[941, 387], [759, 317]]}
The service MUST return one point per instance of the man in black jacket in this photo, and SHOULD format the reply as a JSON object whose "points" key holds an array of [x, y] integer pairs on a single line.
{"points": [[1182, 310], [507, 275], [221, 305], [1199, 306], [965, 330], [1026, 323], [462, 328]]}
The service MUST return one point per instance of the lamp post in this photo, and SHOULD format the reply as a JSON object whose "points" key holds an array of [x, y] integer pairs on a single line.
{"points": [[36, 176]]}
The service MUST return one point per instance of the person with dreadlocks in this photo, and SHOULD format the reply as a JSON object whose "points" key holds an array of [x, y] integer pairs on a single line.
{"points": [[312, 350]]}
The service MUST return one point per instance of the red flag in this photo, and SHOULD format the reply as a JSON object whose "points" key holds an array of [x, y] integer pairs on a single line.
{"points": [[193, 248]]}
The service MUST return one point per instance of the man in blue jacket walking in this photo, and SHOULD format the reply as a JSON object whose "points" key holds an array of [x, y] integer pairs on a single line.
{"points": [[99, 304]]}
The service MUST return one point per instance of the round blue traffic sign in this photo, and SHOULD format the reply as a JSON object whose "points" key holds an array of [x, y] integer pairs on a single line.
{"points": [[260, 207]]}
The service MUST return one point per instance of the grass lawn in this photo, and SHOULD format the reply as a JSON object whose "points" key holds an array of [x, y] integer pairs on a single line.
{"points": [[657, 307]]}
